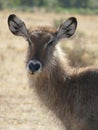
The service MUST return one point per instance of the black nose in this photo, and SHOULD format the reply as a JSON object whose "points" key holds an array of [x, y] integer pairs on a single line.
{"points": [[34, 66]]}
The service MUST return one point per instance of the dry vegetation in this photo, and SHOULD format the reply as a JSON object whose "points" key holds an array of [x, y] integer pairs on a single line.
{"points": [[19, 106]]}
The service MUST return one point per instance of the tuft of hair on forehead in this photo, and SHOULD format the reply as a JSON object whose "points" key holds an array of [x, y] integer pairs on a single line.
{"points": [[43, 29]]}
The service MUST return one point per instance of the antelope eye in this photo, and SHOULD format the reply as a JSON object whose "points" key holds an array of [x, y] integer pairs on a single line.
{"points": [[49, 43]]}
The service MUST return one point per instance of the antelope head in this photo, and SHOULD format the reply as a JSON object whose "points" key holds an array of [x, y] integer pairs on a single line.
{"points": [[41, 41]]}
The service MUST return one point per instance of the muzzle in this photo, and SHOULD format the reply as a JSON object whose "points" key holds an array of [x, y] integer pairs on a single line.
{"points": [[34, 66]]}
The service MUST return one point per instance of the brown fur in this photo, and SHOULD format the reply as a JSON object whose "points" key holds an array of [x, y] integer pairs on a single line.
{"points": [[70, 93]]}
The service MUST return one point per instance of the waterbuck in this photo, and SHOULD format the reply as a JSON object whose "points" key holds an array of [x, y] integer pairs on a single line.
{"points": [[70, 93]]}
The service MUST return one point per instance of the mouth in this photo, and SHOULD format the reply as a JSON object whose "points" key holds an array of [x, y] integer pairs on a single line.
{"points": [[34, 73], [30, 72]]}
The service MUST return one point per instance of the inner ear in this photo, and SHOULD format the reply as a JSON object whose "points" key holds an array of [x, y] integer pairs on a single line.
{"points": [[17, 26], [67, 28]]}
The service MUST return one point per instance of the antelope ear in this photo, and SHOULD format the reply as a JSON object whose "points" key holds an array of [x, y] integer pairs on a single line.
{"points": [[67, 28], [17, 26]]}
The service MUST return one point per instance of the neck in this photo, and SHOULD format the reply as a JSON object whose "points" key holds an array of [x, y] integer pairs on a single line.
{"points": [[50, 84], [61, 65]]}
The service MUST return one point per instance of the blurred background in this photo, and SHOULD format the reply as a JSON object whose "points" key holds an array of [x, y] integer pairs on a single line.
{"points": [[20, 107]]}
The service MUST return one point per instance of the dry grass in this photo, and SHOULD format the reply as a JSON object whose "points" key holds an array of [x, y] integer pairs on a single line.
{"points": [[19, 107]]}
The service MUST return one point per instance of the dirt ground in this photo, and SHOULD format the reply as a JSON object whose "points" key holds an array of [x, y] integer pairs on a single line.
{"points": [[20, 108]]}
